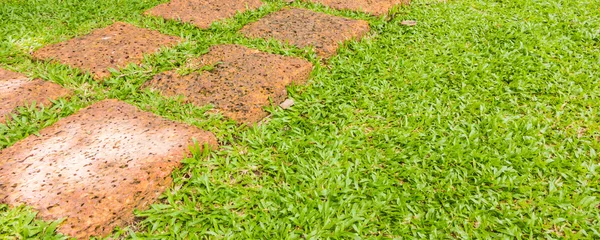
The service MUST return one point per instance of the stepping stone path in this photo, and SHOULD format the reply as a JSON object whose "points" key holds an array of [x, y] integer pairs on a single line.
{"points": [[304, 28], [374, 7], [239, 83], [111, 47], [202, 13], [96, 166], [18, 90]]}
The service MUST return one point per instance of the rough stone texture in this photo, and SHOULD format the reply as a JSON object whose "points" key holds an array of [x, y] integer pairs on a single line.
{"points": [[112, 47], [94, 167], [374, 7], [202, 13], [17, 90], [240, 83], [10, 75], [305, 28]]}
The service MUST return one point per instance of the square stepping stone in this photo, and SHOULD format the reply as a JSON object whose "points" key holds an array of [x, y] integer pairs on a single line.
{"points": [[112, 47], [239, 81], [305, 28], [202, 13], [373, 7], [95, 167], [18, 90]]}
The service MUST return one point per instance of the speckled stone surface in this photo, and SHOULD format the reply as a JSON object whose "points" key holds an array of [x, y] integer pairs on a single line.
{"points": [[202, 13], [374, 7], [112, 47], [96, 166], [10, 75], [18, 90], [241, 82], [305, 28]]}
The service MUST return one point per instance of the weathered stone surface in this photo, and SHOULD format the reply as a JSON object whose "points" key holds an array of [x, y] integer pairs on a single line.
{"points": [[112, 47], [240, 83], [305, 28], [18, 90], [374, 7], [10, 75], [202, 13], [96, 166]]}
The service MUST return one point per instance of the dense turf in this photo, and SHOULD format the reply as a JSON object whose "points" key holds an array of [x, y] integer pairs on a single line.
{"points": [[481, 121]]}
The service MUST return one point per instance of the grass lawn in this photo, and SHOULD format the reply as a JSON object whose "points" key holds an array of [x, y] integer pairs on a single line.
{"points": [[482, 121]]}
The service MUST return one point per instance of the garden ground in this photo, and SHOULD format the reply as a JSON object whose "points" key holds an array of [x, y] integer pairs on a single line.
{"points": [[481, 121]]}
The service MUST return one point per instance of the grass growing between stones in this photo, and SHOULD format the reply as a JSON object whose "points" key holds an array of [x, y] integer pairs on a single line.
{"points": [[479, 122]]}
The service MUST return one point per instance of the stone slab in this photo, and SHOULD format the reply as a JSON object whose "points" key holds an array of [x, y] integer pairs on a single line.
{"points": [[10, 75], [240, 83], [18, 90], [305, 28], [96, 166], [202, 13], [115, 46], [374, 7]]}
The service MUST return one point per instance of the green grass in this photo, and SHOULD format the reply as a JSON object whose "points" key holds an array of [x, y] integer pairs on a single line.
{"points": [[482, 121]]}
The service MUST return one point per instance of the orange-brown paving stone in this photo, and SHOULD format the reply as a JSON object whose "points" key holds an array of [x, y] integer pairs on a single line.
{"points": [[112, 47], [95, 167], [202, 13], [305, 28], [374, 7], [18, 90], [241, 82]]}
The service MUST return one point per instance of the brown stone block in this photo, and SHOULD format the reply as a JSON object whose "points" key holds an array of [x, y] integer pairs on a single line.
{"points": [[202, 13], [112, 47], [374, 7], [95, 167], [305, 28], [18, 90], [10, 75], [239, 81]]}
